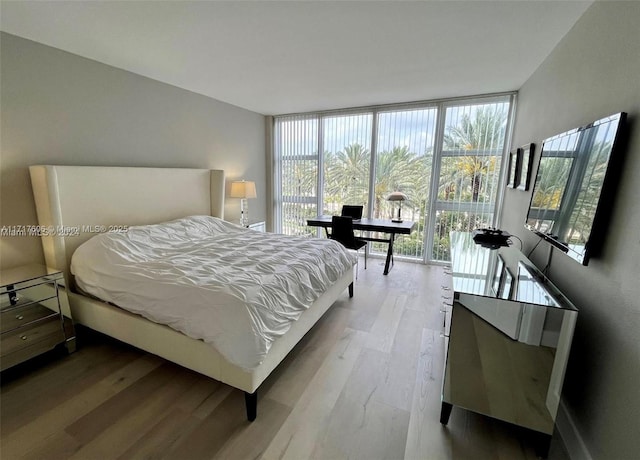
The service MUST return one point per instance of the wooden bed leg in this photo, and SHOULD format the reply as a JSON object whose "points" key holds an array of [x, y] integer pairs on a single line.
{"points": [[251, 401], [351, 290]]}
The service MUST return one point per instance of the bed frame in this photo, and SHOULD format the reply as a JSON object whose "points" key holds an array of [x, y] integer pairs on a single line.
{"points": [[78, 201]]}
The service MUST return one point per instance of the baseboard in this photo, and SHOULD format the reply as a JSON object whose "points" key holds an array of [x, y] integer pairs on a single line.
{"points": [[573, 442]]}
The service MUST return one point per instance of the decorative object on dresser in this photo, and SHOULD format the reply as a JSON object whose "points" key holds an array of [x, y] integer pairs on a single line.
{"points": [[491, 238], [32, 302], [244, 190], [525, 154], [399, 197], [507, 350]]}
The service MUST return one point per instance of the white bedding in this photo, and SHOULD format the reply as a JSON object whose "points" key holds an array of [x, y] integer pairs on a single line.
{"points": [[232, 287]]}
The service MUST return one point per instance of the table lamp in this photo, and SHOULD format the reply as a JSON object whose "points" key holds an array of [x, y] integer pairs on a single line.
{"points": [[399, 197], [243, 190]]}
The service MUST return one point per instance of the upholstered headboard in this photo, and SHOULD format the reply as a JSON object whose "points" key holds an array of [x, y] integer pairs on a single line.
{"points": [[75, 202]]}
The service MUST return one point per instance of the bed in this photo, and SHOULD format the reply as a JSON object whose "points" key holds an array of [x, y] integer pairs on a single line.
{"points": [[74, 203]]}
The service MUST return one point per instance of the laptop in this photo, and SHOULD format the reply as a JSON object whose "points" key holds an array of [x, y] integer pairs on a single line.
{"points": [[355, 212]]}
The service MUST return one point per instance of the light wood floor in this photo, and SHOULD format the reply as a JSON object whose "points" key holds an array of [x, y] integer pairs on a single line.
{"points": [[364, 383]]}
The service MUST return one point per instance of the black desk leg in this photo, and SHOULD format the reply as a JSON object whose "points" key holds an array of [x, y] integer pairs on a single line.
{"points": [[389, 254]]}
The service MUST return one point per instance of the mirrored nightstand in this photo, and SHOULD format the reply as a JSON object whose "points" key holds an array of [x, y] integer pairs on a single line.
{"points": [[33, 300]]}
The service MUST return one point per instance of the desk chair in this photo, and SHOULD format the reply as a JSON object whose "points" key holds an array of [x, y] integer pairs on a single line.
{"points": [[342, 232]]}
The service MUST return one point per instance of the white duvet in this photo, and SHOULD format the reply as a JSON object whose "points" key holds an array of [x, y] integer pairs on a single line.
{"points": [[232, 287]]}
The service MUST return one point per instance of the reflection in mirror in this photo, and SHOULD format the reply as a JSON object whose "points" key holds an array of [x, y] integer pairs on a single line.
{"points": [[506, 291], [573, 173], [495, 295], [498, 279], [510, 333]]}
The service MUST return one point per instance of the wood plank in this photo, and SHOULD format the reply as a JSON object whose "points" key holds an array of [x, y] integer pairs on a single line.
{"points": [[426, 437], [94, 422], [308, 420], [384, 329], [356, 427], [398, 385], [184, 415], [52, 387], [33, 436], [199, 399], [59, 445], [162, 435], [290, 380], [130, 426], [211, 403], [260, 432], [365, 305], [210, 435]]}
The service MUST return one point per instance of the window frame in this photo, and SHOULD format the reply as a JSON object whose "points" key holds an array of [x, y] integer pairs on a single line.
{"points": [[433, 205]]}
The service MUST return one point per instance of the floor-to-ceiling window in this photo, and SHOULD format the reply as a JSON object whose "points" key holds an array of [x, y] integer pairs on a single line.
{"points": [[405, 140], [445, 156], [468, 169], [296, 184], [346, 147]]}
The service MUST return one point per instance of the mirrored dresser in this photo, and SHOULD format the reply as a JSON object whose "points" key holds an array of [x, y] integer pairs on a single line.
{"points": [[33, 301], [509, 336]]}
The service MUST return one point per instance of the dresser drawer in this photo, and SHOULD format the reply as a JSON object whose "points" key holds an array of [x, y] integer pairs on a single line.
{"points": [[22, 316], [32, 302], [25, 294], [44, 330]]}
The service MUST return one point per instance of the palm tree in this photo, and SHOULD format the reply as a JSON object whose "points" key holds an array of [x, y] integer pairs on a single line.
{"points": [[476, 142], [346, 175], [482, 135], [550, 190], [301, 179], [400, 170]]}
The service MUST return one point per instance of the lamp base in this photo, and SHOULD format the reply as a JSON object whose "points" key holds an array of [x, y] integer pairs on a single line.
{"points": [[398, 219], [244, 213]]}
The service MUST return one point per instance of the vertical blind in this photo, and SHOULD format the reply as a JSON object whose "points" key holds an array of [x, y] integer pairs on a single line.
{"points": [[472, 149], [404, 158], [445, 156], [296, 155], [346, 161]]}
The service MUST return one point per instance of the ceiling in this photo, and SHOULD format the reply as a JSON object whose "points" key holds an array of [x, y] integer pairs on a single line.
{"points": [[277, 57]]}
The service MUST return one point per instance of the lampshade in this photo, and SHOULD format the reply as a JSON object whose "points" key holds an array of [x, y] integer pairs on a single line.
{"points": [[396, 196], [243, 189]]}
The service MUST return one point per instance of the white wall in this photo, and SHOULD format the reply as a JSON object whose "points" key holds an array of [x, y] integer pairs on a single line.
{"points": [[593, 72], [59, 108]]}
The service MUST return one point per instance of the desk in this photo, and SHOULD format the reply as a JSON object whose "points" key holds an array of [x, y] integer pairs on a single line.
{"points": [[372, 225]]}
